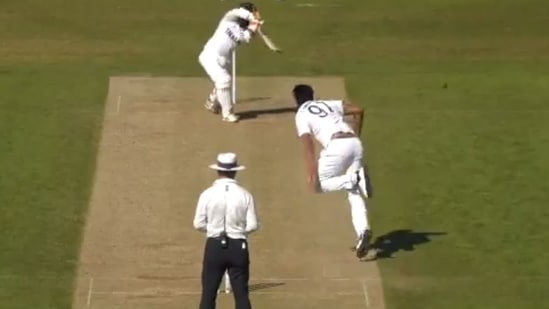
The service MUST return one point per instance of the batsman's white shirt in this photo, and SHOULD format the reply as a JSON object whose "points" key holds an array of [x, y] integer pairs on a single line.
{"points": [[228, 34], [226, 205], [321, 118]]}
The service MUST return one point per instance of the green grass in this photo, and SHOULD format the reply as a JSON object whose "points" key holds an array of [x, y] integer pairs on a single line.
{"points": [[49, 126], [470, 160], [476, 172]]}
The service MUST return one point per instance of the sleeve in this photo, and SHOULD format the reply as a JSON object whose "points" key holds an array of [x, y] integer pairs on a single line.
{"points": [[252, 223], [335, 105], [233, 14], [246, 36], [239, 35], [201, 217], [302, 125]]}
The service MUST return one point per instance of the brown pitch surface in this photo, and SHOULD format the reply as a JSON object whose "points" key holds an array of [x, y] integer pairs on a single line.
{"points": [[139, 248]]}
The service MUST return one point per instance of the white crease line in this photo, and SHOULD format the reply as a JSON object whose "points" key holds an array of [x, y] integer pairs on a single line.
{"points": [[118, 102], [182, 293], [259, 279], [145, 294], [366, 296], [297, 279], [90, 292], [252, 280]]}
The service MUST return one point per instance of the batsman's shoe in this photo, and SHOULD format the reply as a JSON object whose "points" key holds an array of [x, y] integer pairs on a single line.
{"points": [[231, 118], [212, 107], [362, 182], [363, 243]]}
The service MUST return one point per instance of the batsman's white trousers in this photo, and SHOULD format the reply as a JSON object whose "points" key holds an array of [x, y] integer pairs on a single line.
{"points": [[337, 166], [217, 68]]}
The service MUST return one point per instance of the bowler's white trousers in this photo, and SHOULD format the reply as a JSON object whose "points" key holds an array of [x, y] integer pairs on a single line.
{"points": [[337, 166]]}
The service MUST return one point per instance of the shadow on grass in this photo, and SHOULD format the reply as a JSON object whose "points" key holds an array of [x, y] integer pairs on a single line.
{"points": [[271, 111], [264, 285], [401, 240]]}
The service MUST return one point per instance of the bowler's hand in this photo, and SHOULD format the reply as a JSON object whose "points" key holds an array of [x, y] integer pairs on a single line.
{"points": [[313, 182]]}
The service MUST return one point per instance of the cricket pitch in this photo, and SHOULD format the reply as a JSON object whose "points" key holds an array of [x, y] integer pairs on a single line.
{"points": [[139, 248]]}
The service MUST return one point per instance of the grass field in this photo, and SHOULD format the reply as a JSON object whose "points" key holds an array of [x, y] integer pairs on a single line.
{"points": [[457, 129]]}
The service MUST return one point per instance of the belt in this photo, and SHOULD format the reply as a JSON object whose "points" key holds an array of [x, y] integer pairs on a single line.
{"points": [[343, 135], [229, 238]]}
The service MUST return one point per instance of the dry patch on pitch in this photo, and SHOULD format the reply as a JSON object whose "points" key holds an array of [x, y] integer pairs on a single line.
{"points": [[139, 249]]}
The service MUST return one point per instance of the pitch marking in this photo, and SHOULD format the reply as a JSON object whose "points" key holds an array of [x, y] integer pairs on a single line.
{"points": [[366, 296], [118, 103], [90, 292], [183, 293]]}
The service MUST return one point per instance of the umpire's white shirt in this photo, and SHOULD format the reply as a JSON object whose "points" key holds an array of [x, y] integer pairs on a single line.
{"points": [[226, 199]]}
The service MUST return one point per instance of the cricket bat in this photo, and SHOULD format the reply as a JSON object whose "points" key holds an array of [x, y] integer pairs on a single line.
{"points": [[267, 40]]}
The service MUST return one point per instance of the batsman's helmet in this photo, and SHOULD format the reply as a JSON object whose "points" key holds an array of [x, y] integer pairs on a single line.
{"points": [[248, 6], [303, 93]]}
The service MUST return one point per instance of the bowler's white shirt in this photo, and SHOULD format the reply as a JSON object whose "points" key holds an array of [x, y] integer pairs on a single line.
{"points": [[321, 119], [229, 34], [226, 199]]}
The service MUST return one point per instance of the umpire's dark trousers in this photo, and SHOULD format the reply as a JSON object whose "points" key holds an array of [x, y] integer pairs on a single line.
{"points": [[236, 259]]}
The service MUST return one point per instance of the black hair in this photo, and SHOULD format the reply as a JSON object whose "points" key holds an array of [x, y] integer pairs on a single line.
{"points": [[248, 6], [303, 93]]}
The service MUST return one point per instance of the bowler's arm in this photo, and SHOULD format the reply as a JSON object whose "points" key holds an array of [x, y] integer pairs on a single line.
{"points": [[200, 221], [309, 152], [306, 137], [358, 115]]}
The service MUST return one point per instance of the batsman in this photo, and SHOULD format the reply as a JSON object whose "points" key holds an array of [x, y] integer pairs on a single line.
{"points": [[237, 26]]}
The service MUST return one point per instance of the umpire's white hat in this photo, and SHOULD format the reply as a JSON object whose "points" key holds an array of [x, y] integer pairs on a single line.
{"points": [[227, 162]]}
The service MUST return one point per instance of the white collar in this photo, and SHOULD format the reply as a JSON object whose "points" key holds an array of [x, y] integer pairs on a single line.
{"points": [[225, 180]]}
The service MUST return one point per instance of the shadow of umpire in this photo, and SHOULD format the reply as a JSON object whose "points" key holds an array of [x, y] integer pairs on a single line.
{"points": [[264, 285], [401, 240]]}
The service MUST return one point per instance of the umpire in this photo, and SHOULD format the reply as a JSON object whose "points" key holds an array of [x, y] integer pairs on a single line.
{"points": [[226, 212]]}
